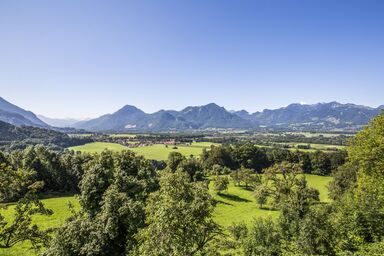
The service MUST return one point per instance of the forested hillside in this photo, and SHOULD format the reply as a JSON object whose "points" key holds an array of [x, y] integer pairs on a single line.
{"points": [[14, 137]]}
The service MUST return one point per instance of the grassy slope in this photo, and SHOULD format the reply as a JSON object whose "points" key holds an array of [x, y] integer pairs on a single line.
{"points": [[59, 205], [158, 151]]}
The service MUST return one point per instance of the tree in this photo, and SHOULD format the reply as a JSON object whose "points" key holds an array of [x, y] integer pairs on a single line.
{"points": [[221, 155], [235, 177], [263, 239], [261, 195], [250, 156], [367, 153], [280, 180], [21, 228], [219, 170], [316, 234], [321, 163], [179, 218], [248, 177], [193, 168], [344, 180], [220, 184], [114, 191], [174, 159]]}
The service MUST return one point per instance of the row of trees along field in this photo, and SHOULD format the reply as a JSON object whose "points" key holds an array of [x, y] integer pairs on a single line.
{"points": [[129, 207]]}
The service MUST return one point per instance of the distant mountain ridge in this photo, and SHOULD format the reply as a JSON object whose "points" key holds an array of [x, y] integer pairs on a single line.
{"points": [[130, 118], [15, 115], [60, 122], [320, 116], [332, 116]]}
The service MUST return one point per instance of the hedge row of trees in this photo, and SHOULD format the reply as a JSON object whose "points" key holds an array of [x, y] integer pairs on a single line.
{"points": [[249, 156]]}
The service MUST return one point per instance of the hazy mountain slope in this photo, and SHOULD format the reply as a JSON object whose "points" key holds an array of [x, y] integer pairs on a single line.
{"points": [[126, 118], [15, 119], [18, 116], [320, 116], [59, 122]]}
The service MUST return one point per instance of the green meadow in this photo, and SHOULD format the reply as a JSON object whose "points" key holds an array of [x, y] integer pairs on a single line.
{"points": [[61, 211], [238, 204], [156, 151]]}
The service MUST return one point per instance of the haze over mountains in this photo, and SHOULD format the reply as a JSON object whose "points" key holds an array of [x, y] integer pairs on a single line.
{"points": [[321, 116], [60, 122]]}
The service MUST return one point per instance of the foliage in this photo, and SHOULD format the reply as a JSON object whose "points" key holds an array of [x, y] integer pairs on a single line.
{"points": [[344, 180], [282, 183], [12, 137], [263, 239], [113, 194], [261, 194], [246, 177], [238, 231], [193, 168], [179, 218], [174, 159], [21, 228], [250, 157], [59, 171], [220, 183]]}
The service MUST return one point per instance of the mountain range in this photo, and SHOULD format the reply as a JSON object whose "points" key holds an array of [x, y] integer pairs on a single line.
{"points": [[320, 117]]}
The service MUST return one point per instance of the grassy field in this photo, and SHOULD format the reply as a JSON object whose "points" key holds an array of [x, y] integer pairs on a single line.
{"points": [[97, 147], [315, 146], [157, 151], [238, 204], [235, 206], [61, 211], [123, 135]]}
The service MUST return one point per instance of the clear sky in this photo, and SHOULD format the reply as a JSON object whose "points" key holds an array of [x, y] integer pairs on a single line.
{"points": [[87, 58]]}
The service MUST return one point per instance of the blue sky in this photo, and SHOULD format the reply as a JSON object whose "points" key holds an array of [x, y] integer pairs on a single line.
{"points": [[86, 58]]}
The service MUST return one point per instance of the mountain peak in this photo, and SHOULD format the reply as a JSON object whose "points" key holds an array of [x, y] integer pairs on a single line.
{"points": [[129, 109], [212, 105]]}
